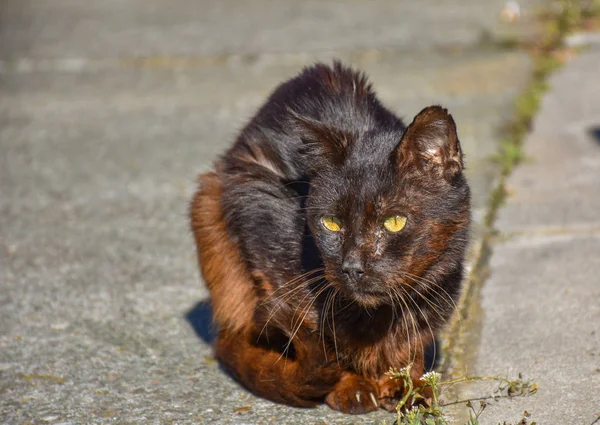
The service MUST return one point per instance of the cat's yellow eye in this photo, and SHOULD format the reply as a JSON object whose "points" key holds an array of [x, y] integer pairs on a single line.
{"points": [[331, 223], [394, 223]]}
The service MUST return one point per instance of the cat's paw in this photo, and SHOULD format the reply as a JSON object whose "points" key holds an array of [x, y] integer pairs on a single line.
{"points": [[354, 394], [391, 391]]}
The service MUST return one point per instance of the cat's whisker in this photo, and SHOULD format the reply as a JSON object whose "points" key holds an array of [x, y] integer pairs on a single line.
{"points": [[435, 307], [302, 285], [322, 319], [404, 321], [445, 297], [424, 317], [326, 318], [428, 285], [431, 285], [285, 296], [288, 293], [320, 281], [296, 318], [412, 354], [414, 323], [291, 282], [396, 316], [393, 306], [434, 285], [337, 357], [410, 315], [301, 319], [328, 304]]}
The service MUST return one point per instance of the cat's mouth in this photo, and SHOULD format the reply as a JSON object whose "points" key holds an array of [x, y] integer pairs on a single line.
{"points": [[365, 292], [368, 300]]}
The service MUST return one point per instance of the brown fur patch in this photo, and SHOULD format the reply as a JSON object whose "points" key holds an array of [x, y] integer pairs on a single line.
{"points": [[222, 267]]}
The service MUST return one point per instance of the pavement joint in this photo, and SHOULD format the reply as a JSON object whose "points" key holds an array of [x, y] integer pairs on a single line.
{"points": [[25, 65]]}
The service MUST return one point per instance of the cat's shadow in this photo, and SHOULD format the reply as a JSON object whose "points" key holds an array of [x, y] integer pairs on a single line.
{"points": [[200, 318], [594, 132]]}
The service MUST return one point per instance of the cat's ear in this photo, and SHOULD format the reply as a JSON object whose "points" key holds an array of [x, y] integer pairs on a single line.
{"points": [[431, 142], [322, 141]]}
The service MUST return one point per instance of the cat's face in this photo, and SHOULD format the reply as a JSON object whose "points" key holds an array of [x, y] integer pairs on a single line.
{"points": [[384, 225]]}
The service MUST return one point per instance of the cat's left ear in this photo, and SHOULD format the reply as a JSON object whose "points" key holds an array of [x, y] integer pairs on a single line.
{"points": [[431, 142]]}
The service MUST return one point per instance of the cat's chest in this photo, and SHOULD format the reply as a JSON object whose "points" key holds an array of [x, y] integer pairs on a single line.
{"points": [[372, 345], [392, 350]]}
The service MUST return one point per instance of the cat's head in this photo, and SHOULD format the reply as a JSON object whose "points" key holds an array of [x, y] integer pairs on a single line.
{"points": [[389, 211]]}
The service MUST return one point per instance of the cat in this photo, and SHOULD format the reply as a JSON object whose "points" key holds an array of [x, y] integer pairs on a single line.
{"points": [[332, 239]]}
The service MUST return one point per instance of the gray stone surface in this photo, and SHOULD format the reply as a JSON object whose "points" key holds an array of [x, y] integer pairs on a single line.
{"points": [[70, 28], [108, 111], [541, 309]]}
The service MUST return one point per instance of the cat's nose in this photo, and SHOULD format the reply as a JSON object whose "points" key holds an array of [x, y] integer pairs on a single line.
{"points": [[353, 269]]}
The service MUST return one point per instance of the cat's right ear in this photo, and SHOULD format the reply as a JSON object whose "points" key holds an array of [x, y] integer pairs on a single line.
{"points": [[431, 142], [322, 141]]}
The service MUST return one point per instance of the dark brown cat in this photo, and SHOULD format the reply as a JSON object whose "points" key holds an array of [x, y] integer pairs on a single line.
{"points": [[332, 239]]}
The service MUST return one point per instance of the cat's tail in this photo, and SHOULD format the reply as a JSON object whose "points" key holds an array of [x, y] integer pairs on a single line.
{"points": [[304, 378], [299, 381]]}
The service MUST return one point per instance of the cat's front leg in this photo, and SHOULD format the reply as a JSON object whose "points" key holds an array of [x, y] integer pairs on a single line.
{"points": [[354, 394]]}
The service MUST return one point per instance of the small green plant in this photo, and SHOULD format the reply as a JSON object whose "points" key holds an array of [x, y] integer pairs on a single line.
{"points": [[431, 411]]}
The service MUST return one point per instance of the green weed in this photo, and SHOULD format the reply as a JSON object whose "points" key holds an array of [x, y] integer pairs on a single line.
{"points": [[431, 411]]}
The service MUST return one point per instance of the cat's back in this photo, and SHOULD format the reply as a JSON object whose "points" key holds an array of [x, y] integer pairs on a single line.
{"points": [[335, 96]]}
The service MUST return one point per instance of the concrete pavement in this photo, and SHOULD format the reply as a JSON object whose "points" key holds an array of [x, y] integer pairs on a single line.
{"points": [[110, 109], [541, 305]]}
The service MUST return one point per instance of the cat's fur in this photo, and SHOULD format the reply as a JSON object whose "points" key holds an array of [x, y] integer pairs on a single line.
{"points": [[292, 325]]}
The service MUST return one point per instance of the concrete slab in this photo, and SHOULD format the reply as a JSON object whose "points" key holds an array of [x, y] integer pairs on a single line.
{"points": [[71, 29], [560, 184], [541, 314]]}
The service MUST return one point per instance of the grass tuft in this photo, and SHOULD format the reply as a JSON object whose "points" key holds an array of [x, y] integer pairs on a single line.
{"points": [[431, 411]]}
